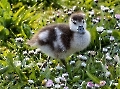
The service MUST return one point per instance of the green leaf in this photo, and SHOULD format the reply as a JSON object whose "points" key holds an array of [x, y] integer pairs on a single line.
{"points": [[2, 21], [22, 31], [2, 62], [77, 67], [117, 70], [10, 61], [116, 34], [11, 45], [27, 30], [17, 5], [5, 5], [32, 75], [76, 78], [88, 2], [6, 31], [3, 70], [6, 15], [47, 73], [1, 28], [118, 86]]}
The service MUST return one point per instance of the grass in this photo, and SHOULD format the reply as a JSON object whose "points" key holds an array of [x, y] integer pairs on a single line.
{"points": [[23, 67]]}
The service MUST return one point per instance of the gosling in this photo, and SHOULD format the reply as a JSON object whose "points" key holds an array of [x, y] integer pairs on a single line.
{"points": [[61, 40]]}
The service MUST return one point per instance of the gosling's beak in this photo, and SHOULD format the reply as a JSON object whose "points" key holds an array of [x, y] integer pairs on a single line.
{"points": [[81, 30]]}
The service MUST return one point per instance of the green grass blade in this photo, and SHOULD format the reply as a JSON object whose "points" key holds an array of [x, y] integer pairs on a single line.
{"points": [[94, 78], [18, 12], [28, 13], [34, 18]]}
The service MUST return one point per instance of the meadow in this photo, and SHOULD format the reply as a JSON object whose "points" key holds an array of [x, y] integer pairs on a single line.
{"points": [[25, 67]]}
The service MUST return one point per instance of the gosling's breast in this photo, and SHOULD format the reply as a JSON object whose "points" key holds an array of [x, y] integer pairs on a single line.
{"points": [[80, 41]]}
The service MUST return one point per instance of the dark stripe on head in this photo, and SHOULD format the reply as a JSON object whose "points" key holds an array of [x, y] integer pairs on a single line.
{"points": [[77, 17]]}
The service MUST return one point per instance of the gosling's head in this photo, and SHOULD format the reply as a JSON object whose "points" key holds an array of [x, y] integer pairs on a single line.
{"points": [[77, 23]]}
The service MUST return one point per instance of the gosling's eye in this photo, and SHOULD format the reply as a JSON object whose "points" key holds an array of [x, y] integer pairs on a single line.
{"points": [[74, 22], [83, 21]]}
